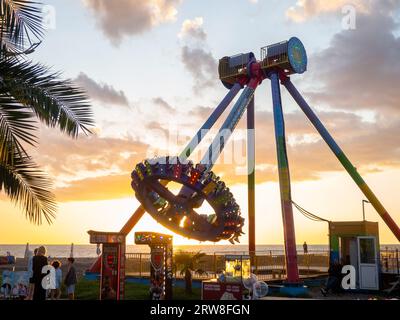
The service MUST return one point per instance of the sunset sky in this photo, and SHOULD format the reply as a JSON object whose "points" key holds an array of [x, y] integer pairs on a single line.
{"points": [[150, 69]]}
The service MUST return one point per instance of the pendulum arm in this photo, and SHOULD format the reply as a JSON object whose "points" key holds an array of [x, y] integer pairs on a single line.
{"points": [[251, 180], [210, 121], [284, 183], [229, 125], [342, 157], [137, 215], [225, 132]]}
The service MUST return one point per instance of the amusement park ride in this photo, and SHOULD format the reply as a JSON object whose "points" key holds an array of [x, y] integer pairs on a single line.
{"points": [[178, 212]]}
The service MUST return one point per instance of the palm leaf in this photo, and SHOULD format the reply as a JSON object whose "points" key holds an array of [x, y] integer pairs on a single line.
{"points": [[20, 21], [54, 101], [28, 90], [187, 260], [27, 186], [16, 126]]}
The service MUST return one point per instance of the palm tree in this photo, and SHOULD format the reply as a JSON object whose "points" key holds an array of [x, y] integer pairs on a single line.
{"points": [[31, 93], [188, 263]]}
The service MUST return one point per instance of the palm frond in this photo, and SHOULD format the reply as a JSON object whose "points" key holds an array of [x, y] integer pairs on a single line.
{"points": [[16, 126], [20, 21], [29, 187], [55, 102], [188, 260]]}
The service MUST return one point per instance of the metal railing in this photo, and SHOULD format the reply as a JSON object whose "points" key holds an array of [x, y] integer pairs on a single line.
{"points": [[268, 265], [390, 261], [274, 55], [226, 71]]}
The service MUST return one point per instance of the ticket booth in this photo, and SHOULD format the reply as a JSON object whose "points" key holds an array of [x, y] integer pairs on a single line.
{"points": [[357, 243], [160, 263], [112, 270]]}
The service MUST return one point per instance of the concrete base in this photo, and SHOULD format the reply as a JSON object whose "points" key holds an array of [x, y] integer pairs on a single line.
{"points": [[294, 290], [285, 298]]}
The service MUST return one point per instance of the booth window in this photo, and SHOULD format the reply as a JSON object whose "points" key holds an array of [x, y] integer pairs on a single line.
{"points": [[367, 251]]}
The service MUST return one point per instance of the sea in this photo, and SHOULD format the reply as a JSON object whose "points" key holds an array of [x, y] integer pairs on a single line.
{"points": [[89, 250]]}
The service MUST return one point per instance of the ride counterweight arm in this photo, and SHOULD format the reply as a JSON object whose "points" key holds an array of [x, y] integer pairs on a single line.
{"points": [[342, 157]]}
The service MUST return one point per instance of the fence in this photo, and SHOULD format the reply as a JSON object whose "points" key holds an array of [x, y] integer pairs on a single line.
{"points": [[268, 265], [390, 261]]}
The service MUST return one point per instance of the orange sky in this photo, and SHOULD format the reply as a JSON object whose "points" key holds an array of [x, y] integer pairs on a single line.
{"points": [[322, 197]]}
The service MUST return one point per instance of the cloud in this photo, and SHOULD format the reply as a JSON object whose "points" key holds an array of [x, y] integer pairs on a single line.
{"points": [[101, 91], [164, 104], [201, 65], [91, 156], [157, 127], [193, 29], [308, 9], [355, 74], [198, 61], [131, 17], [368, 145], [360, 70], [93, 168]]}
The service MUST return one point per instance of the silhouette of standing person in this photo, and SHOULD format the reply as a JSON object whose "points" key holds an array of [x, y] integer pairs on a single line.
{"points": [[38, 262], [305, 247]]}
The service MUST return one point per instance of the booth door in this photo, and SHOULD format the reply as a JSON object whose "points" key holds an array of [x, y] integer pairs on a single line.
{"points": [[368, 263]]}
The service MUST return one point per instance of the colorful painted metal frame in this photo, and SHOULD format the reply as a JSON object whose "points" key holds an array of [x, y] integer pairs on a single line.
{"points": [[178, 213]]}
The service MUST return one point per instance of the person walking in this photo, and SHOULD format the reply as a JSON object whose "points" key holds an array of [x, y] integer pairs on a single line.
{"points": [[71, 279], [38, 262], [333, 283]]}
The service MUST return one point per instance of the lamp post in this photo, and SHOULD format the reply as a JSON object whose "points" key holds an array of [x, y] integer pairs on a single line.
{"points": [[363, 208]]}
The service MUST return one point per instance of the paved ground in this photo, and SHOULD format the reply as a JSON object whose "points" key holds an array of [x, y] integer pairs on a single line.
{"points": [[316, 294]]}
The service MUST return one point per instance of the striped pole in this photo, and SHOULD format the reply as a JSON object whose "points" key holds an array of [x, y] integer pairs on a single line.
{"points": [[251, 180], [284, 183], [342, 158]]}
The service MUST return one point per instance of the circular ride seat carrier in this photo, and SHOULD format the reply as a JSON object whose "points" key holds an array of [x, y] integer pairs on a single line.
{"points": [[177, 212]]}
